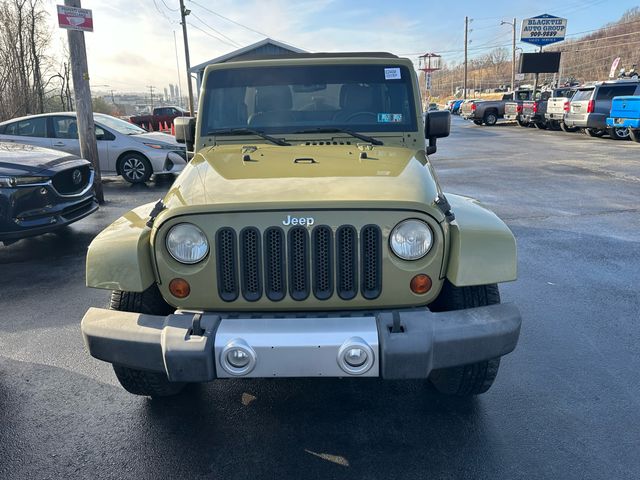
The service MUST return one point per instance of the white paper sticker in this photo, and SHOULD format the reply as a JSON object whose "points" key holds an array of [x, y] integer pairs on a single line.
{"points": [[392, 74]]}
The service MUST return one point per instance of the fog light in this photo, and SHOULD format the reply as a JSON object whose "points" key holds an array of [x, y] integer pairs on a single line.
{"points": [[355, 356], [238, 358], [179, 288], [420, 284]]}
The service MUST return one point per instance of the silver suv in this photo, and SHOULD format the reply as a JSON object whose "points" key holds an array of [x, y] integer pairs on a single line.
{"points": [[590, 107]]}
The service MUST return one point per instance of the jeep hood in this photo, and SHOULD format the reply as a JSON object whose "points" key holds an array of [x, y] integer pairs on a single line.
{"points": [[303, 176]]}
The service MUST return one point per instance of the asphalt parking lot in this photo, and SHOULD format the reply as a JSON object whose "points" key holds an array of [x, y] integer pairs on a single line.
{"points": [[566, 403]]}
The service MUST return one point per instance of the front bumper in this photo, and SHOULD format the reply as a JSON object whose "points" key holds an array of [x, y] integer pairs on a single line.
{"points": [[401, 343]]}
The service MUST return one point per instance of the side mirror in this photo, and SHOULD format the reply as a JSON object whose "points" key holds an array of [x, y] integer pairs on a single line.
{"points": [[437, 124], [185, 130]]}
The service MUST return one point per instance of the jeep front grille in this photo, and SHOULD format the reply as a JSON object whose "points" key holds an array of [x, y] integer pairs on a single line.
{"points": [[299, 263]]}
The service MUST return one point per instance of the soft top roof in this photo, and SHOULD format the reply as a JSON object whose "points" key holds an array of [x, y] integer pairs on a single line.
{"points": [[258, 56]]}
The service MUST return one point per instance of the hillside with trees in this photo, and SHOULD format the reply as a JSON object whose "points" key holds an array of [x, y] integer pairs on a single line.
{"points": [[586, 57]]}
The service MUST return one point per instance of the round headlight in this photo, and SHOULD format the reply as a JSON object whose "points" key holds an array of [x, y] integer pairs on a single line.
{"points": [[411, 239], [187, 243]]}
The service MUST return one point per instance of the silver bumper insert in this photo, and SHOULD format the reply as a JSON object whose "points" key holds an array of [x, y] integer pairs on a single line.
{"points": [[297, 347]]}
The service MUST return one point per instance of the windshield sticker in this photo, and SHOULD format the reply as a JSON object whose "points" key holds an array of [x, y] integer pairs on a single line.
{"points": [[392, 74], [389, 118]]}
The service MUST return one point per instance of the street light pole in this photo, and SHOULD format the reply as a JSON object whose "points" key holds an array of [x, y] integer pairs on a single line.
{"points": [[513, 54], [466, 37], [183, 14]]}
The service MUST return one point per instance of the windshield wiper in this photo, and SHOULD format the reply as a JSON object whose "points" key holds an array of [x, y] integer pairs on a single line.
{"points": [[248, 131], [360, 136]]}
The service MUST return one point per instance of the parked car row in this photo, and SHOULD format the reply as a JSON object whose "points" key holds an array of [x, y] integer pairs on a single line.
{"points": [[589, 107], [123, 148]]}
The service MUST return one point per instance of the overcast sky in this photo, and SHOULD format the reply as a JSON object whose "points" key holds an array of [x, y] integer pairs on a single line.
{"points": [[132, 45]]}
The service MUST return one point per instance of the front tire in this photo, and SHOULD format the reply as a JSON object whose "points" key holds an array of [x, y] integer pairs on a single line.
{"points": [[142, 382], [135, 168], [478, 122], [634, 135], [521, 123], [540, 126], [475, 378]]}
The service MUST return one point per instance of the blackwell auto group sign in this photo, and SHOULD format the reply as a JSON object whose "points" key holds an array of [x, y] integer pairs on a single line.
{"points": [[543, 29]]}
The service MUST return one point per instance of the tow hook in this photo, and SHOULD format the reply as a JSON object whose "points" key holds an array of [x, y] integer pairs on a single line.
{"points": [[196, 328]]}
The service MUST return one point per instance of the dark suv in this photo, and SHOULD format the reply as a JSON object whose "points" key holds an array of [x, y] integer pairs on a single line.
{"points": [[590, 107]]}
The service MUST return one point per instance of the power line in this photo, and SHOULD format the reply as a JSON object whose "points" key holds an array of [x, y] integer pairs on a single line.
{"points": [[169, 8], [213, 36], [235, 44], [230, 20]]}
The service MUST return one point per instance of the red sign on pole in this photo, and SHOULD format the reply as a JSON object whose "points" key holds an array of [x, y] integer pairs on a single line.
{"points": [[75, 18]]}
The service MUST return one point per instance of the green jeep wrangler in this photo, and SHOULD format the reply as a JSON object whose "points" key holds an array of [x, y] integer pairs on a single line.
{"points": [[308, 237]]}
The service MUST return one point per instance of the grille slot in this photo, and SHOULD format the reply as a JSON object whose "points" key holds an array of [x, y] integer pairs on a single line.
{"points": [[227, 264], [250, 255], [371, 252], [322, 241], [298, 263], [274, 264], [347, 262]]}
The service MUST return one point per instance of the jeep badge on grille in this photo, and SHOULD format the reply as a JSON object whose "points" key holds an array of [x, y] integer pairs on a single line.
{"points": [[308, 221]]}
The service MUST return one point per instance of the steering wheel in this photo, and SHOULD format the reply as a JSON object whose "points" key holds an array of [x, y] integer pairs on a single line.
{"points": [[367, 114]]}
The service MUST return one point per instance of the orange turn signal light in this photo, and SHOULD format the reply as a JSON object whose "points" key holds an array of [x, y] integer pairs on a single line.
{"points": [[420, 284], [179, 288]]}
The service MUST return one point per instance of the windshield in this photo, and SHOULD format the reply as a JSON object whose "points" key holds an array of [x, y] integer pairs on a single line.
{"points": [[118, 125], [287, 99]]}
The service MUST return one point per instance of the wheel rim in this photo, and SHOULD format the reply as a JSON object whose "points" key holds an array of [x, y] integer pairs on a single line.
{"points": [[491, 119], [133, 168], [622, 132]]}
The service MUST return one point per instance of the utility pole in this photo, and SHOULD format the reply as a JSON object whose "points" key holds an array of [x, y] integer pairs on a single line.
{"points": [[151, 87], [183, 14], [466, 38], [513, 54], [84, 107]]}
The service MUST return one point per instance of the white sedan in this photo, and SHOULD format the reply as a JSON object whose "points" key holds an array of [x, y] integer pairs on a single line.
{"points": [[123, 148]]}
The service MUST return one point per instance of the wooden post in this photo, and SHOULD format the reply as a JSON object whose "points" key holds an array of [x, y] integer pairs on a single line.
{"points": [[84, 107]]}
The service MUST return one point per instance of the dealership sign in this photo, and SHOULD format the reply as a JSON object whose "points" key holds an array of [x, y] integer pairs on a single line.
{"points": [[75, 18], [543, 30]]}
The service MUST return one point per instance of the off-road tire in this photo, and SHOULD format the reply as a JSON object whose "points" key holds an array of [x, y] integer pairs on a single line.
{"points": [[567, 129], [490, 119], [594, 132], [478, 122], [541, 126], [614, 133], [634, 135], [475, 378], [521, 123], [142, 382]]}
